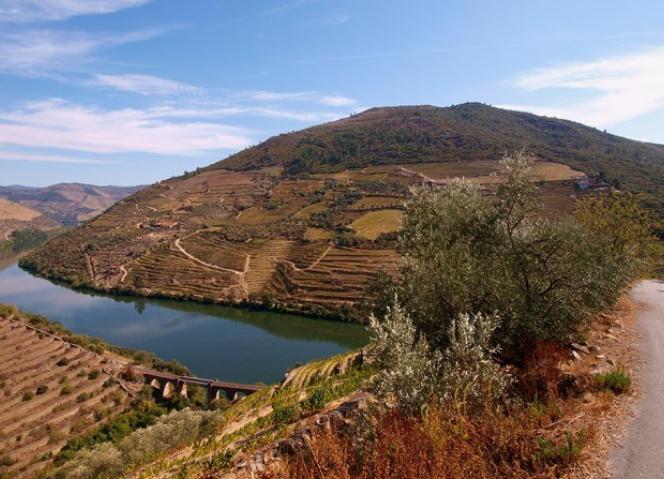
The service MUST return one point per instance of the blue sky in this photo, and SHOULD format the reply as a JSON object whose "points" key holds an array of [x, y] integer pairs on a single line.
{"points": [[134, 91]]}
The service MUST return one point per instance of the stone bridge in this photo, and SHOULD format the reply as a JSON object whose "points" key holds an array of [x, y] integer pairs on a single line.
{"points": [[170, 384]]}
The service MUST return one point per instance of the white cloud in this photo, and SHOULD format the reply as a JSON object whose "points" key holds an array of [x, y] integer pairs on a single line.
{"points": [[621, 88], [20, 156], [57, 125], [264, 95], [62, 125], [336, 100], [41, 52], [145, 84], [21, 11], [307, 96]]}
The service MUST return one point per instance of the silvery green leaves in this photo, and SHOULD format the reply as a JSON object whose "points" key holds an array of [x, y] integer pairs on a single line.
{"points": [[412, 375]]}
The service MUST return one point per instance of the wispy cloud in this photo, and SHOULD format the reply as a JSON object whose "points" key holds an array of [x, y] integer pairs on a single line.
{"points": [[23, 11], [307, 96], [45, 52], [616, 89], [336, 100], [145, 84], [166, 129], [63, 125], [32, 157]]}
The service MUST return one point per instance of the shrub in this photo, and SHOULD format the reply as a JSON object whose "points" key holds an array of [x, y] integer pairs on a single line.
{"points": [[626, 229], [83, 397], [412, 375], [470, 376], [66, 389], [107, 460], [41, 389], [617, 381], [561, 454], [408, 370], [27, 396], [62, 362], [284, 412], [102, 462], [219, 461], [317, 399], [466, 252], [94, 374]]}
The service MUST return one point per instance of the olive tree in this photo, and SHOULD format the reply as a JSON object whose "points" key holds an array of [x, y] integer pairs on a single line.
{"points": [[468, 251]]}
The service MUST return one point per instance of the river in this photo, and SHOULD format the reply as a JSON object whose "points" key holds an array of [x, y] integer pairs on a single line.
{"points": [[230, 344]]}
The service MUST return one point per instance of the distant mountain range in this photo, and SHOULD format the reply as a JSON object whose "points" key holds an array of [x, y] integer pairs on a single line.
{"points": [[304, 220], [67, 203]]}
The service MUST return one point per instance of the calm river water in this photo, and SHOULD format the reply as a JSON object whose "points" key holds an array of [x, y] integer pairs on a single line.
{"points": [[214, 342]]}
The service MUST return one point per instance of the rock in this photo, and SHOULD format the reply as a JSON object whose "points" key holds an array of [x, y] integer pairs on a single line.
{"points": [[611, 362], [576, 356], [580, 347], [593, 349], [588, 397], [600, 356]]}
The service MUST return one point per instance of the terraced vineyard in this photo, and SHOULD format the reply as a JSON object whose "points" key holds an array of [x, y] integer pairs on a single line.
{"points": [[52, 391], [298, 222]]}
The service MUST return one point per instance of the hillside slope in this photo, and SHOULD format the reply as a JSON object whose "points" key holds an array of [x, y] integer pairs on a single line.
{"points": [[471, 131], [16, 217], [68, 203], [305, 220]]}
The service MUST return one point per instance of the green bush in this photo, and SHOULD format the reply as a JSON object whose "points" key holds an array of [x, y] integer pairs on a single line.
{"points": [[27, 396], [318, 398], [561, 454], [466, 252], [41, 389], [94, 374], [617, 381], [284, 412]]}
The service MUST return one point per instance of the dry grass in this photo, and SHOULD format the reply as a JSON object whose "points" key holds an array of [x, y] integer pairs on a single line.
{"points": [[549, 171], [441, 444], [374, 223], [13, 211], [489, 171], [318, 234], [563, 424]]}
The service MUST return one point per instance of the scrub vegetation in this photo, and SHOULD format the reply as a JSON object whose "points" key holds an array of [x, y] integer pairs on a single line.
{"points": [[468, 342]]}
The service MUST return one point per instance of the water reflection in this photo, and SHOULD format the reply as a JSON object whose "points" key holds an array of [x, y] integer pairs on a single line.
{"points": [[213, 341]]}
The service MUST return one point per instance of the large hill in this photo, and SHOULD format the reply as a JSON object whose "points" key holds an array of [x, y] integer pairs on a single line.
{"points": [[67, 203], [305, 220]]}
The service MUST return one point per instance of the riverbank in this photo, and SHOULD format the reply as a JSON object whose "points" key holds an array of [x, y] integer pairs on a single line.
{"points": [[346, 313], [231, 344]]}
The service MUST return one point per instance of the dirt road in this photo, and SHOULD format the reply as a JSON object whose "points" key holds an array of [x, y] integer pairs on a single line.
{"points": [[641, 453]]}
